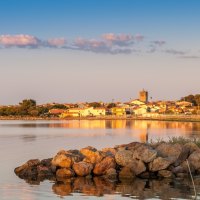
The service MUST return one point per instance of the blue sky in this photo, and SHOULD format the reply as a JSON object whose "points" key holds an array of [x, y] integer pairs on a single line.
{"points": [[98, 50]]}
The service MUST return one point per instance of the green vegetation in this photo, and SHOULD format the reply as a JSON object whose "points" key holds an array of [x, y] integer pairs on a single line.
{"points": [[195, 99], [178, 140]]}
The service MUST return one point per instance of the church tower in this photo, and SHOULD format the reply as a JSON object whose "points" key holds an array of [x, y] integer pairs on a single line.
{"points": [[144, 96]]}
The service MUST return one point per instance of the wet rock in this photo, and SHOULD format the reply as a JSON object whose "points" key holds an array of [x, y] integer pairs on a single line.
{"points": [[183, 155], [145, 175], [82, 168], [123, 157], [178, 169], [126, 173], [159, 164], [92, 155], [111, 174], [29, 169], [62, 189], [64, 172], [62, 160], [28, 164], [194, 160], [144, 153], [169, 150], [165, 173], [101, 167], [137, 166]]}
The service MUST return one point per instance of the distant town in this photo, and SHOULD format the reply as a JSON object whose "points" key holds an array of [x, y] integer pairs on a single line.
{"points": [[141, 107]]}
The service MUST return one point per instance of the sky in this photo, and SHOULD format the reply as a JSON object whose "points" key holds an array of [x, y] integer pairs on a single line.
{"points": [[98, 50]]}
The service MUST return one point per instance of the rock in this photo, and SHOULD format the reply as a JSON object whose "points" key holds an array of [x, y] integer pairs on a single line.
{"points": [[144, 153], [145, 175], [192, 147], [178, 169], [44, 171], [194, 160], [92, 155], [183, 155], [123, 157], [65, 172], [126, 173], [109, 151], [82, 168], [165, 173], [29, 164], [111, 173], [62, 189], [137, 166], [184, 166], [62, 160], [159, 164], [169, 150], [101, 167]]}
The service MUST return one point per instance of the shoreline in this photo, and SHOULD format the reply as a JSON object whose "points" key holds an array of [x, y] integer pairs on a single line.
{"points": [[175, 118]]}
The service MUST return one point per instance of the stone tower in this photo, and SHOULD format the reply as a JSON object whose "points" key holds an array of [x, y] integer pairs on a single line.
{"points": [[144, 96]]}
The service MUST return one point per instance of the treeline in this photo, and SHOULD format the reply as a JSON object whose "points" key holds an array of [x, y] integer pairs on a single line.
{"points": [[194, 99], [28, 107]]}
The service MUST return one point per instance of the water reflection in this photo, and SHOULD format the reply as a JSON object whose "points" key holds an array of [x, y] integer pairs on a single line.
{"points": [[140, 130], [135, 189]]}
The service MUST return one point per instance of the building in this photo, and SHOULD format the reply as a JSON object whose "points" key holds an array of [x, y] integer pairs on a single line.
{"points": [[83, 112], [118, 111], [143, 96]]}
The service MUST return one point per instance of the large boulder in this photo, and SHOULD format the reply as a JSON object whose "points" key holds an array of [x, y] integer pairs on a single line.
{"points": [[67, 158], [65, 173], [159, 163], [194, 160], [144, 153], [101, 167], [137, 166], [192, 147], [169, 150], [82, 168], [123, 157], [92, 155]]}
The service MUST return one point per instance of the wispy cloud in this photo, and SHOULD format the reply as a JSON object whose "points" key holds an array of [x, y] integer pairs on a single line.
{"points": [[158, 42], [107, 43], [174, 52], [190, 57]]}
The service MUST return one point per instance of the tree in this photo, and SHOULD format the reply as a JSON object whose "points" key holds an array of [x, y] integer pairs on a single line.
{"points": [[95, 104], [26, 106], [111, 105]]}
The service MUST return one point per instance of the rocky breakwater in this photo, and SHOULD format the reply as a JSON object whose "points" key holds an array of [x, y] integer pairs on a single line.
{"points": [[119, 163]]}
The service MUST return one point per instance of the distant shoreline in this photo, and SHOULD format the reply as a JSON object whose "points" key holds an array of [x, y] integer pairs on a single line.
{"points": [[177, 118]]}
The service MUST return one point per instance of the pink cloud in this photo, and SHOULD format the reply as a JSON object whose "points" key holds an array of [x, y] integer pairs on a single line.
{"points": [[57, 42], [139, 37], [114, 37], [18, 40]]}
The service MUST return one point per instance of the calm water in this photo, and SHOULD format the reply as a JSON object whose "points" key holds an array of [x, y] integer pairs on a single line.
{"points": [[22, 140]]}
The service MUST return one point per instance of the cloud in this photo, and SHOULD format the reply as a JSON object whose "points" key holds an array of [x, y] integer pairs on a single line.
{"points": [[56, 42], [19, 41], [118, 39], [99, 46], [139, 37], [175, 52], [190, 57], [158, 42]]}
